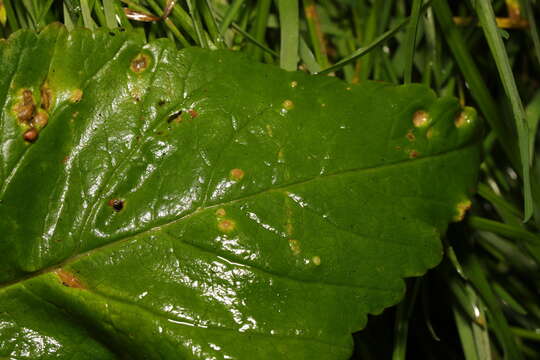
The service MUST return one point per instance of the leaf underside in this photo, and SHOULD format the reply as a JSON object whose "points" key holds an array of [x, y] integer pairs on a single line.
{"points": [[165, 204]]}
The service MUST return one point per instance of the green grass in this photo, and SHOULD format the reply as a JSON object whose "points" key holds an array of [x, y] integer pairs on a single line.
{"points": [[482, 302]]}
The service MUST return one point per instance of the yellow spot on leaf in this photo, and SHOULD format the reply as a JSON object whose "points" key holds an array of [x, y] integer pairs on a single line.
{"points": [[295, 246], [461, 209], [76, 95], [269, 130], [316, 260], [221, 212], [466, 117], [226, 225], [294, 84], [68, 279], [236, 174], [140, 63], [288, 105], [420, 118]]}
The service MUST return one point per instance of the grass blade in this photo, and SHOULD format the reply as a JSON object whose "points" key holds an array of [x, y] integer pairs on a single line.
{"points": [[254, 41], [288, 18], [364, 50], [465, 331], [315, 33], [11, 18], [403, 315], [499, 324], [230, 15], [486, 15], [308, 57], [211, 25], [410, 42], [110, 13], [197, 23], [533, 117], [529, 13], [259, 26], [67, 18], [479, 90], [87, 15]]}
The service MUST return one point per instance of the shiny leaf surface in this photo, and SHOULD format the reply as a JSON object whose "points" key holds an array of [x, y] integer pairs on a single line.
{"points": [[165, 204]]}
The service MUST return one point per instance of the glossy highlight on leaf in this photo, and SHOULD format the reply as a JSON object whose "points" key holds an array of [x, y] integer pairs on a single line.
{"points": [[195, 205]]}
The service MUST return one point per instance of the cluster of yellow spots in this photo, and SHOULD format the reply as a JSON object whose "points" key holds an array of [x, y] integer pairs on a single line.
{"points": [[294, 245], [224, 225], [294, 84], [421, 119]]}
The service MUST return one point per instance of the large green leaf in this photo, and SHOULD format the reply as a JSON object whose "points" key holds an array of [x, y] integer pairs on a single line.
{"points": [[164, 204]]}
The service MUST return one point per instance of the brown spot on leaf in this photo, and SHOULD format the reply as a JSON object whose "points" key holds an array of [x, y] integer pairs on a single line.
{"points": [[25, 108], [140, 63], [40, 120], [226, 225], [410, 135], [46, 96], [237, 174], [116, 204], [413, 154], [68, 279], [193, 113], [30, 135]]}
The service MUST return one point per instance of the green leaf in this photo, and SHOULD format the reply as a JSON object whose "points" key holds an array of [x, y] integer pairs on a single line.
{"points": [[193, 204]]}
